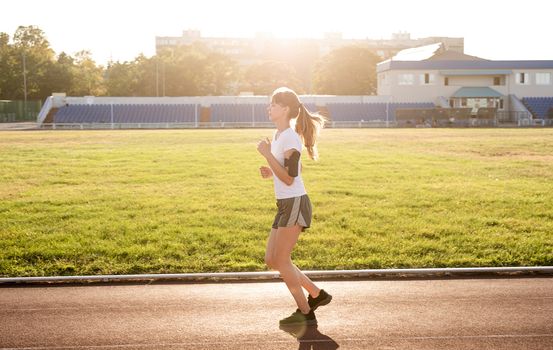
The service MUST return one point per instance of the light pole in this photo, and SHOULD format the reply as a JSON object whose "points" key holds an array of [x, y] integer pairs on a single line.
{"points": [[157, 75], [24, 86], [163, 76]]}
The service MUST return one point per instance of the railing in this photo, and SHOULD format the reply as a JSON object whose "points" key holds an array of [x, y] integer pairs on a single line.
{"points": [[200, 125], [190, 125], [521, 118], [501, 119], [361, 124], [8, 117], [44, 110]]}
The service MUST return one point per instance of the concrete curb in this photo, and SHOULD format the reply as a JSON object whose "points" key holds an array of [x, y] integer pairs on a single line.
{"points": [[259, 276]]}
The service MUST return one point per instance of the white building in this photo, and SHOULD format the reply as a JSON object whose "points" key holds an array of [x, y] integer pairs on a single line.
{"points": [[452, 79]]}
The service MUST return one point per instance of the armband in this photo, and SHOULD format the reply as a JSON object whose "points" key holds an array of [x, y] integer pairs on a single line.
{"points": [[293, 163]]}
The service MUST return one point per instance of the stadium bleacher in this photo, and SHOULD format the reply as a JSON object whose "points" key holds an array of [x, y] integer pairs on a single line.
{"points": [[311, 107], [357, 111], [240, 113], [540, 107], [379, 111], [127, 113], [244, 112], [407, 105]]}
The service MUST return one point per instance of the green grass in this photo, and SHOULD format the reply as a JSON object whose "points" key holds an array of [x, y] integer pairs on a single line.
{"points": [[174, 201]]}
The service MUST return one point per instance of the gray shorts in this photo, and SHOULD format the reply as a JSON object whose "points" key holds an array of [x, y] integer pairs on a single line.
{"points": [[292, 211]]}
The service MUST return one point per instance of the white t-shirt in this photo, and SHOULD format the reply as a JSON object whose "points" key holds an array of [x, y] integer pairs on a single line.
{"points": [[286, 140]]}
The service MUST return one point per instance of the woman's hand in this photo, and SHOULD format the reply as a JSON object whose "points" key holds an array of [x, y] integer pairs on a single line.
{"points": [[264, 147], [266, 172]]}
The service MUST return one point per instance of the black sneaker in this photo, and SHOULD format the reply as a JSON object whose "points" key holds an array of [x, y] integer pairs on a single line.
{"points": [[323, 299], [298, 318]]}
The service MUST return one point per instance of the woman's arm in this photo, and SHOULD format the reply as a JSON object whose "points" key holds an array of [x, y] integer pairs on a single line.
{"points": [[278, 170], [266, 172], [264, 147]]}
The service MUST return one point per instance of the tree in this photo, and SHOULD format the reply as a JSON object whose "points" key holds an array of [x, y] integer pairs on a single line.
{"points": [[263, 78], [184, 71], [88, 78], [194, 70], [59, 76], [298, 54], [32, 38], [5, 64], [122, 79], [31, 49], [181, 72], [145, 74], [221, 72], [349, 70]]}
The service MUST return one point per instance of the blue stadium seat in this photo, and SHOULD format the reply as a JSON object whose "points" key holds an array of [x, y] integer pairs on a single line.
{"points": [[126, 113], [377, 111], [233, 113], [538, 106], [311, 107]]}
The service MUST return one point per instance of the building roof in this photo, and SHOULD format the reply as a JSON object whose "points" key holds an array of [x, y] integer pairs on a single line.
{"points": [[475, 72], [450, 55], [479, 91], [418, 53], [436, 57], [457, 64]]}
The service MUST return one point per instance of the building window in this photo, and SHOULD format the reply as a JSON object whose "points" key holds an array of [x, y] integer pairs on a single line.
{"points": [[406, 79], [446, 81], [427, 78], [523, 78], [463, 102], [497, 81], [543, 78], [500, 103]]}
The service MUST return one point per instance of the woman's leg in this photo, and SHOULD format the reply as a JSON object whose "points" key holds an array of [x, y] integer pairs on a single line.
{"points": [[270, 251], [306, 283], [285, 241], [270, 260]]}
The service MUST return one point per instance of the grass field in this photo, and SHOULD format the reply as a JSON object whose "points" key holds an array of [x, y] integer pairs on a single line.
{"points": [[174, 201]]}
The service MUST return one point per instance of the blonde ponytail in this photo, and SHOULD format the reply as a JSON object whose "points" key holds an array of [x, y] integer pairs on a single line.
{"points": [[308, 126]]}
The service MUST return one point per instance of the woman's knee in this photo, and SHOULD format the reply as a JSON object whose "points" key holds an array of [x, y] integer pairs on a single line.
{"points": [[269, 259], [281, 262], [270, 262]]}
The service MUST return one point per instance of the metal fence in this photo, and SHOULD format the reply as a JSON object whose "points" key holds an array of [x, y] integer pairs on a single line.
{"points": [[512, 116], [499, 119], [473, 122], [17, 111]]}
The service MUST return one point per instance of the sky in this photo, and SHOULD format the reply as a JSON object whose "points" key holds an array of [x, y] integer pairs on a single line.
{"points": [[122, 29]]}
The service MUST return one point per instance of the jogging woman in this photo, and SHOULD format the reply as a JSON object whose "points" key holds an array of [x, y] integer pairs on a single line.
{"points": [[294, 207]]}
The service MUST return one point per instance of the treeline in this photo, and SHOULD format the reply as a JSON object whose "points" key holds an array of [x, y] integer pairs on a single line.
{"points": [[184, 71]]}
